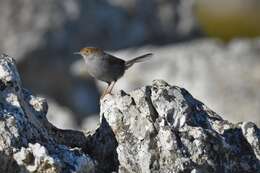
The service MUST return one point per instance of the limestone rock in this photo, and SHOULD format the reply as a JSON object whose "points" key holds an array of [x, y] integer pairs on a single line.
{"points": [[28, 142], [157, 128], [162, 128]]}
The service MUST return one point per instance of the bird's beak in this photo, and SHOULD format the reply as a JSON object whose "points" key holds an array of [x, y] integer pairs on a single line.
{"points": [[77, 53]]}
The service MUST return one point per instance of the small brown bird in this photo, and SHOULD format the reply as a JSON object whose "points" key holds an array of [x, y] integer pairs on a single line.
{"points": [[106, 67]]}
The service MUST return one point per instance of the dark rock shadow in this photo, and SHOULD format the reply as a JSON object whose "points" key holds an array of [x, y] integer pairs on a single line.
{"points": [[198, 116], [9, 165], [101, 146], [235, 138]]}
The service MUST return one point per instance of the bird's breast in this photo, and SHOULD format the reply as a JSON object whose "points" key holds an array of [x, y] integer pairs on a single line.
{"points": [[101, 70]]}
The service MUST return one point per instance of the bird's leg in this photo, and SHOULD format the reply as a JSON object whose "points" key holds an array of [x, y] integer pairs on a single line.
{"points": [[105, 91], [111, 86]]}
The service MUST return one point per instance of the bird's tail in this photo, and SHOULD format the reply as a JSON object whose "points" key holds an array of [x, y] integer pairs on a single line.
{"points": [[141, 58]]}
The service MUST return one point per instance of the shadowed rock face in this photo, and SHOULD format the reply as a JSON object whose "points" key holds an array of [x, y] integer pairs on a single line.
{"points": [[157, 128]]}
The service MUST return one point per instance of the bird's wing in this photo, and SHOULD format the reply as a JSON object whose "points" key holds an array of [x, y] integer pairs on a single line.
{"points": [[114, 61]]}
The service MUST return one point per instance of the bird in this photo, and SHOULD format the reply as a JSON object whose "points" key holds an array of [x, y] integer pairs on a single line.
{"points": [[106, 67]]}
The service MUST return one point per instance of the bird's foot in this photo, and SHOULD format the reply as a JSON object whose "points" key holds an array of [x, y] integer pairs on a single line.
{"points": [[108, 89]]}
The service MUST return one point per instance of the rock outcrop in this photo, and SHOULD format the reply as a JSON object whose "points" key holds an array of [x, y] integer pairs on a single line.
{"points": [[162, 128], [28, 142], [157, 128]]}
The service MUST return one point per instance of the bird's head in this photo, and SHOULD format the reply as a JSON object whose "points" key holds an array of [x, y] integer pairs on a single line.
{"points": [[89, 51]]}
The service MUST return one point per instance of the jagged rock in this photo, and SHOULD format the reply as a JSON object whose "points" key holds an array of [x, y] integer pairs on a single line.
{"points": [[28, 142], [162, 128], [157, 128]]}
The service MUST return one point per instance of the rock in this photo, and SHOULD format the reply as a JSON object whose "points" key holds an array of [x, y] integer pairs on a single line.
{"points": [[157, 128], [28, 142], [162, 128], [251, 134], [223, 76]]}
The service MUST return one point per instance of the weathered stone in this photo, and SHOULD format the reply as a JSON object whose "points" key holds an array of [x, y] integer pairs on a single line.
{"points": [[162, 128], [28, 141], [157, 128]]}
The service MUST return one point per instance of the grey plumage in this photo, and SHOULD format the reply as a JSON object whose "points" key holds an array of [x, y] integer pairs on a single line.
{"points": [[106, 67], [141, 58]]}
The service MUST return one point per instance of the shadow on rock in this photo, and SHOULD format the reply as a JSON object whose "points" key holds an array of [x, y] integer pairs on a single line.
{"points": [[102, 147], [9, 165]]}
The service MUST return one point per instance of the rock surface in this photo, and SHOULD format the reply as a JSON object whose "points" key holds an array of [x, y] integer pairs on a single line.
{"points": [[162, 128], [157, 128], [28, 142]]}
